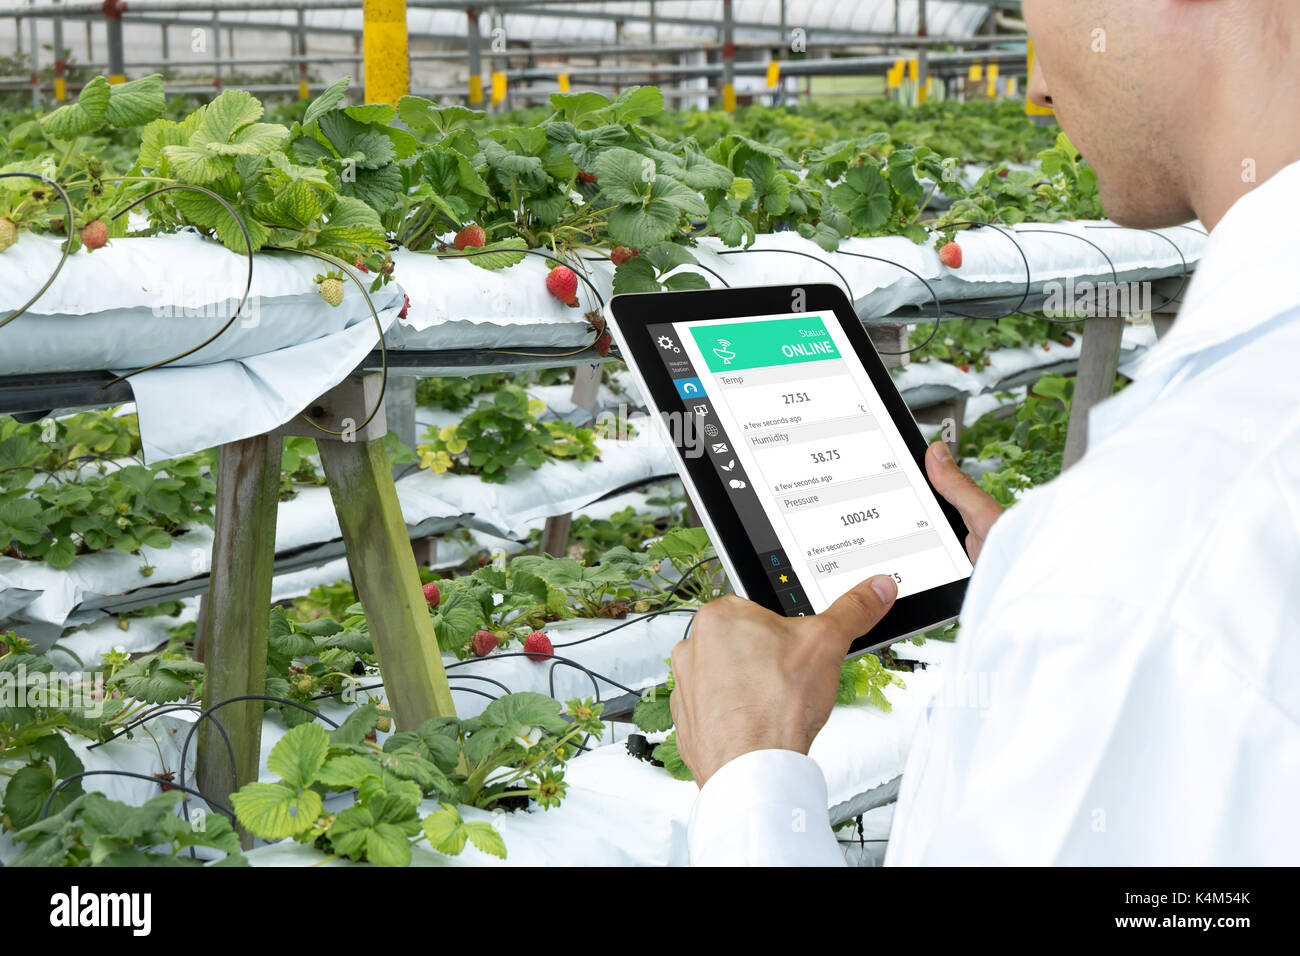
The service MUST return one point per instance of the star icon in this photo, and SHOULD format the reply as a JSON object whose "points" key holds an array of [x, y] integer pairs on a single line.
{"points": [[784, 579]]}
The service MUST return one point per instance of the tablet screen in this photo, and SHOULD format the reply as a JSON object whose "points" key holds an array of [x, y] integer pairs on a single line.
{"points": [[823, 483]]}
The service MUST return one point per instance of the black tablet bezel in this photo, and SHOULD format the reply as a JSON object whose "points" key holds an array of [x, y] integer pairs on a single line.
{"points": [[632, 314]]}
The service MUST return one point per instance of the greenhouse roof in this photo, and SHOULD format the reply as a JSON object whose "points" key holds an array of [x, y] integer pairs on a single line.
{"points": [[569, 22]]}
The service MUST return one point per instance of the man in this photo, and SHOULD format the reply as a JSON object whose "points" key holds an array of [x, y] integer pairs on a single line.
{"points": [[1138, 619]]}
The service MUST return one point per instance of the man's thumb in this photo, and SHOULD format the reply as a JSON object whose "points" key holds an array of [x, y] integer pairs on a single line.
{"points": [[857, 611], [978, 508]]}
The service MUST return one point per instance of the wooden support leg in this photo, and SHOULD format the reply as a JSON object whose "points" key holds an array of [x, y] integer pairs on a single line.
{"points": [[890, 339], [1098, 366], [237, 611], [386, 581], [586, 390]]}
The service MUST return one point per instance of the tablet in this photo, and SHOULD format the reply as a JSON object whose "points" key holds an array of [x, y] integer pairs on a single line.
{"points": [[803, 461]]}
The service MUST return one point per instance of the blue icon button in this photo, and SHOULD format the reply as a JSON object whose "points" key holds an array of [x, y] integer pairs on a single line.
{"points": [[689, 387]]}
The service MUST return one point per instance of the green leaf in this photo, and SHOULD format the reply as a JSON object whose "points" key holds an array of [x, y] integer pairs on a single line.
{"points": [[698, 171], [865, 197], [197, 164], [574, 106], [667, 754], [625, 176], [424, 116], [669, 255], [54, 746], [731, 227], [357, 834], [27, 791], [525, 708], [327, 101], [256, 139], [81, 117], [485, 837], [446, 831], [635, 275], [500, 255], [299, 755], [407, 765], [347, 771], [637, 225], [634, 103], [274, 811], [137, 102], [686, 281], [372, 114], [652, 714], [225, 116], [377, 188]]}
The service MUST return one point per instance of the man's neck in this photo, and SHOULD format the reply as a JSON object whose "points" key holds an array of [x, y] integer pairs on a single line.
{"points": [[1260, 138]]}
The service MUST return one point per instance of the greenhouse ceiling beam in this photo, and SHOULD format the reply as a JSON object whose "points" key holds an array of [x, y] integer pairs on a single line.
{"points": [[840, 66], [138, 8]]}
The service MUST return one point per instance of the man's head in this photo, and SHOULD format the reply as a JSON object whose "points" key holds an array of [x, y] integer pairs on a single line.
{"points": [[1173, 102]]}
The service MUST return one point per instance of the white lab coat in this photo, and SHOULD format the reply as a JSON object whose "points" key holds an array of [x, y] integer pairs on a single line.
{"points": [[1126, 683]]}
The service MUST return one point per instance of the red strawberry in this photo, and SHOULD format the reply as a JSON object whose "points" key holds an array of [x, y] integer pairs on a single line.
{"points": [[471, 235], [621, 254], [586, 177], [94, 234], [1002, 173], [563, 284], [965, 366], [431, 594], [485, 642], [603, 343], [538, 646], [406, 307], [359, 263], [950, 255]]}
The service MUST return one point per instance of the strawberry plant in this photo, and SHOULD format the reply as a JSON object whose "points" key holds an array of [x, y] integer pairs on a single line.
{"points": [[306, 659], [502, 433], [589, 538], [1032, 454], [59, 518], [69, 134], [969, 342], [455, 394], [516, 749], [93, 830]]}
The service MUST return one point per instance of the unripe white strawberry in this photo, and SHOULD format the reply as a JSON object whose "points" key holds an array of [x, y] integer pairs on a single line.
{"points": [[331, 288]]}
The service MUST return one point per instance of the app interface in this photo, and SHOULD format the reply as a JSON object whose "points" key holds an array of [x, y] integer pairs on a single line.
{"points": [[820, 477]]}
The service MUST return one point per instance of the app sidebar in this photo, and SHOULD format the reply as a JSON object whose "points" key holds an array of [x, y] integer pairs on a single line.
{"points": [[700, 433]]}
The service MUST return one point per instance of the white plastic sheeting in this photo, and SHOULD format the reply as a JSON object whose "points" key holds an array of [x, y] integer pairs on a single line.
{"points": [[292, 347], [618, 810], [40, 601]]}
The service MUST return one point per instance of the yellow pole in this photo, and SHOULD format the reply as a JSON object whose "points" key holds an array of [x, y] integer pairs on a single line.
{"points": [[387, 51]]}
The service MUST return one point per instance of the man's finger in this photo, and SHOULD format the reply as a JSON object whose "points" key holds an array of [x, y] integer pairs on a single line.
{"points": [[978, 508], [856, 612]]}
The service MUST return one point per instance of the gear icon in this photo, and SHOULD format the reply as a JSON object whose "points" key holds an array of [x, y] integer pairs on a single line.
{"points": [[667, 344]]}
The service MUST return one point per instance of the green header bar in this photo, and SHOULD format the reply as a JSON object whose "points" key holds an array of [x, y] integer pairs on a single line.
{"points": [[744, 345]]}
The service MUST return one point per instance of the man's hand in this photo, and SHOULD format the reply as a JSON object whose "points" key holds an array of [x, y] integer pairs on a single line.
{"points": [[978, 508], [749, 679]]}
